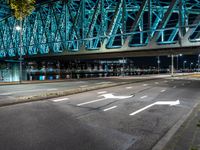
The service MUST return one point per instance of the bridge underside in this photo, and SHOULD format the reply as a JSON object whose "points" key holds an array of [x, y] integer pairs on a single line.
{"points": [[104, 28]]}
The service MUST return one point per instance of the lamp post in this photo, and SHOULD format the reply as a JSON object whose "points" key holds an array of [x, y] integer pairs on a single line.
{"points": [[178, 61], [191, 65], [19, 28], [198, 63], [158, 62], [172, 65], [21, 9], [184, 64]]}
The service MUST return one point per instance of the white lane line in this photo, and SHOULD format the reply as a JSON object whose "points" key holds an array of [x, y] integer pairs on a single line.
{"points": [[9, 93], [102, 92], [162, 91], [52, 89], [102, 99], [103, 82], [145, 84], [61, 99], [156, 82], [6, 94], [129, 87], [110, 108], [143, 97], [82, 86]]}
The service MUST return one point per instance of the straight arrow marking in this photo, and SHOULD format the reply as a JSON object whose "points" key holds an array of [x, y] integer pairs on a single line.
{"points": [[170, 103]]}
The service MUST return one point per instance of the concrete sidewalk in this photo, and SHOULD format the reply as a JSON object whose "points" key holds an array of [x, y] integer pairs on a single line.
{"points": [[188, 135]]}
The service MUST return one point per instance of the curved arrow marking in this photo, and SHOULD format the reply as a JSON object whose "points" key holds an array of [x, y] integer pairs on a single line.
{"points": [[170, 103]]}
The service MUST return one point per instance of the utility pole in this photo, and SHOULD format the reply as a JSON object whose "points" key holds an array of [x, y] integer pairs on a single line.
{"points": [[172, 65], [198, 63], [158, 62], [20, 57]]}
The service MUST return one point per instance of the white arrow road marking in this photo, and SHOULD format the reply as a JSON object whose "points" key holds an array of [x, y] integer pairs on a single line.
{"points": [[170, 103], [110, 108], [61, 99], [145, 96], [106, 96]]}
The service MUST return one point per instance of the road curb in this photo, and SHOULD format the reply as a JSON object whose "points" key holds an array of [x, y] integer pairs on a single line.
{"points": [[160, 145]]}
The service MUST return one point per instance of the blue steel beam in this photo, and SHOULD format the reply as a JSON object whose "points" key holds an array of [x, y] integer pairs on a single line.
{"points": [[89, 26]]}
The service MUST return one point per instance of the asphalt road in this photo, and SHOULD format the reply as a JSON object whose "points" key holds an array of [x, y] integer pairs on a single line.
{"points": [[129, 117]]}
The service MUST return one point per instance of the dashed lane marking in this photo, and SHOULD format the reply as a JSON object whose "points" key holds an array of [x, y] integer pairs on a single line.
{"points": [[129, 87], [102, 99], [60, 100], [110, 108], [82, 86], [162, 91], [102, 92], [145, 96], [103, 82]]}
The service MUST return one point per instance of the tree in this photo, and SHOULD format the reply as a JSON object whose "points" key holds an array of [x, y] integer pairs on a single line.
{"points": [[22, 8]]}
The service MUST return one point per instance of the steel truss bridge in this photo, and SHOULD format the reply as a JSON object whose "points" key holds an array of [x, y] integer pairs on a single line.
{"points": [[58, 28]]}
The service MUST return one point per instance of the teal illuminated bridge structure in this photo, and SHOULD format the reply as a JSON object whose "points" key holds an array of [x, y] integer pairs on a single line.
{"points": [[75, 27]]}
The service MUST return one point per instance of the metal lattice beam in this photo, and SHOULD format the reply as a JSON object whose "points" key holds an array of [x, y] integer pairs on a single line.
{"points": [[88, 26]]}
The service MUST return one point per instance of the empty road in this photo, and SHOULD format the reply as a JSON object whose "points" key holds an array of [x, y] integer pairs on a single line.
{"points": [[129, 117]]}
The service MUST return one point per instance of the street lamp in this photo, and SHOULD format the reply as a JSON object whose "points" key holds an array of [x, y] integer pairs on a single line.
{"points": [[191, 65], [198, 63], [158, 62], [177, 59], [184, 64], [19, 28]]}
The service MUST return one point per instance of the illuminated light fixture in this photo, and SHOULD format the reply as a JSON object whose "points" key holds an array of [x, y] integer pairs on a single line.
{"points": [[18, 28]]}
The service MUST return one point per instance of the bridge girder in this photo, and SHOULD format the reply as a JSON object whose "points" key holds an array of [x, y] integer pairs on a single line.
{"points": [[79, 27]]}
